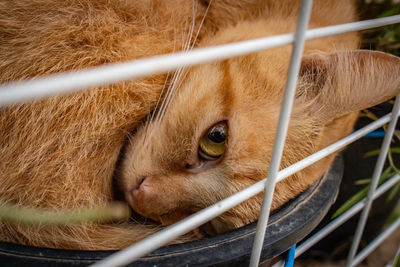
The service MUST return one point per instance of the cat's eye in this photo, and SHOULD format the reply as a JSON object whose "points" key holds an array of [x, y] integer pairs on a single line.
{"points": [[212, 143]]}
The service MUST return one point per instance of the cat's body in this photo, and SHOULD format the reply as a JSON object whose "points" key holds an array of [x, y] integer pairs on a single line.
{"points": [[61, 153]]}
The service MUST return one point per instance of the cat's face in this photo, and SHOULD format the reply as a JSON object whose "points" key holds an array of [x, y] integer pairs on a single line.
{"points": [[217, 132], [214, 139]]}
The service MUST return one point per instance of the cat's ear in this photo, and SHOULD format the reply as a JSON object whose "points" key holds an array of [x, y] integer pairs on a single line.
{"points": [[334, 84]]}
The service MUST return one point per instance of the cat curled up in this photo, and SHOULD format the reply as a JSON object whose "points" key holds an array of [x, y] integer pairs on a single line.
{"points": [[174, 143]]}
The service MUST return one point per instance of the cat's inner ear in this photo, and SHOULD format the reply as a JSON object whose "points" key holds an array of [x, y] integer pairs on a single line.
{"points": [[331, 85]]}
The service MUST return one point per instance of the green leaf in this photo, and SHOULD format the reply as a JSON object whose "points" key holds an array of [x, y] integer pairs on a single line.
{"points": [[390, 158], [387, 173], [396, 262], [393, 192], [372, 153], [351, 202], [362, 181], [357, 197], [395, 150], [390, 12]]}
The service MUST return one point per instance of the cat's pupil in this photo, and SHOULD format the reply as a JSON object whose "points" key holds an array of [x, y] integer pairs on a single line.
{"points": [[217, 137]]}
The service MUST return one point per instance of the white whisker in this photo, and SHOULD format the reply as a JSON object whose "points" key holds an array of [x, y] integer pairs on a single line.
{"points": [[183, 78], [201, 24], [163, 103], [181, 73], [159, 98], [171, 90], [162, 90], [168, 98]]}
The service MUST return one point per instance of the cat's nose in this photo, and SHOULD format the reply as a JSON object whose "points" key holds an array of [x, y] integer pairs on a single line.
{"points": [[152, 197], [136, 191], [146, 196]]}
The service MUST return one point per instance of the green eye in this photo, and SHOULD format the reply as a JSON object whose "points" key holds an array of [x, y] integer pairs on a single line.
{"points": [[212, 144]]}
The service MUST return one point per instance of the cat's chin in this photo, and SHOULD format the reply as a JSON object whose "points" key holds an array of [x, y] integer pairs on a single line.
{"points": [[211, 228], [167, 218], [170, 217], [215, 227], [137, 218]]}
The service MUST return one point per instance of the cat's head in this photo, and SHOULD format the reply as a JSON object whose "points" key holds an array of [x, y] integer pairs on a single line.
{"points": [[215, 135]]}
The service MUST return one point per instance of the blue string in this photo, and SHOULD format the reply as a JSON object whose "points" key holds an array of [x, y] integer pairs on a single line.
{"points": [[290, 257], [375, 134]]}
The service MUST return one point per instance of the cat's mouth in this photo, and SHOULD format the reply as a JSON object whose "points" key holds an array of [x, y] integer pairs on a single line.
{"points": [[138, 218], [211, 228], [166, 217]]}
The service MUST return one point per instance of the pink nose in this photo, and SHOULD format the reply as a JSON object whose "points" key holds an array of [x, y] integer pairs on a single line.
{"points": [[137, 193], [152, 197]]}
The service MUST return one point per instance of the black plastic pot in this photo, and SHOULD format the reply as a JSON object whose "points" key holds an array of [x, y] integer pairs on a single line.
{"points": [[286, 227]]}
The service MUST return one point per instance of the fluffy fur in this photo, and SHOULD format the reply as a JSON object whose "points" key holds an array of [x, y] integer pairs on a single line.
{"points": [[61, 153]]}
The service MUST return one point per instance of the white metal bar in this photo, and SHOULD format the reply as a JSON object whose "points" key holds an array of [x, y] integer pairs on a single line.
{"points": [[73, 81], [376, 242], [170, 233], [67, 82], [332, 148], [283, 125], [344, 217], [374, 182], [333, 225]]}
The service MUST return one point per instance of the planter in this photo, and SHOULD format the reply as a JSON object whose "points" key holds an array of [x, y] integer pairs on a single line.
{"points": [[287, 226]]}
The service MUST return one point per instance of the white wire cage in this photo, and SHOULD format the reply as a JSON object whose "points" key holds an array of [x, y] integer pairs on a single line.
{"points": [[62, 83]]}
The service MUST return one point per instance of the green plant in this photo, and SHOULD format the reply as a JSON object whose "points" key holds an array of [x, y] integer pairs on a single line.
{"points": [[383, 38], [396, 262], [386, 39], [386, 174]]}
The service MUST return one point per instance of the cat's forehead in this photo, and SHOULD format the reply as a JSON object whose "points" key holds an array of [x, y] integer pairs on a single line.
{"points": [[206, 89], [218, 88], [203, 79]]}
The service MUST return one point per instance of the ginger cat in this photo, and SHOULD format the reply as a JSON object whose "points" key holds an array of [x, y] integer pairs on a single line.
{"points": [[211, 135]]}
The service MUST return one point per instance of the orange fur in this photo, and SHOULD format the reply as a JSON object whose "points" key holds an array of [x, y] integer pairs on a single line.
{"points": [[247, 93], [61, 153]]}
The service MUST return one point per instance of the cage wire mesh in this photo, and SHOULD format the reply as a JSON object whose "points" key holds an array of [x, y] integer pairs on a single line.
{"points": [[62, 83]]}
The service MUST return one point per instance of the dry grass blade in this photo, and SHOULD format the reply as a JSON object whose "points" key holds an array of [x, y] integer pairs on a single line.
{"points": [[113, 212]]}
